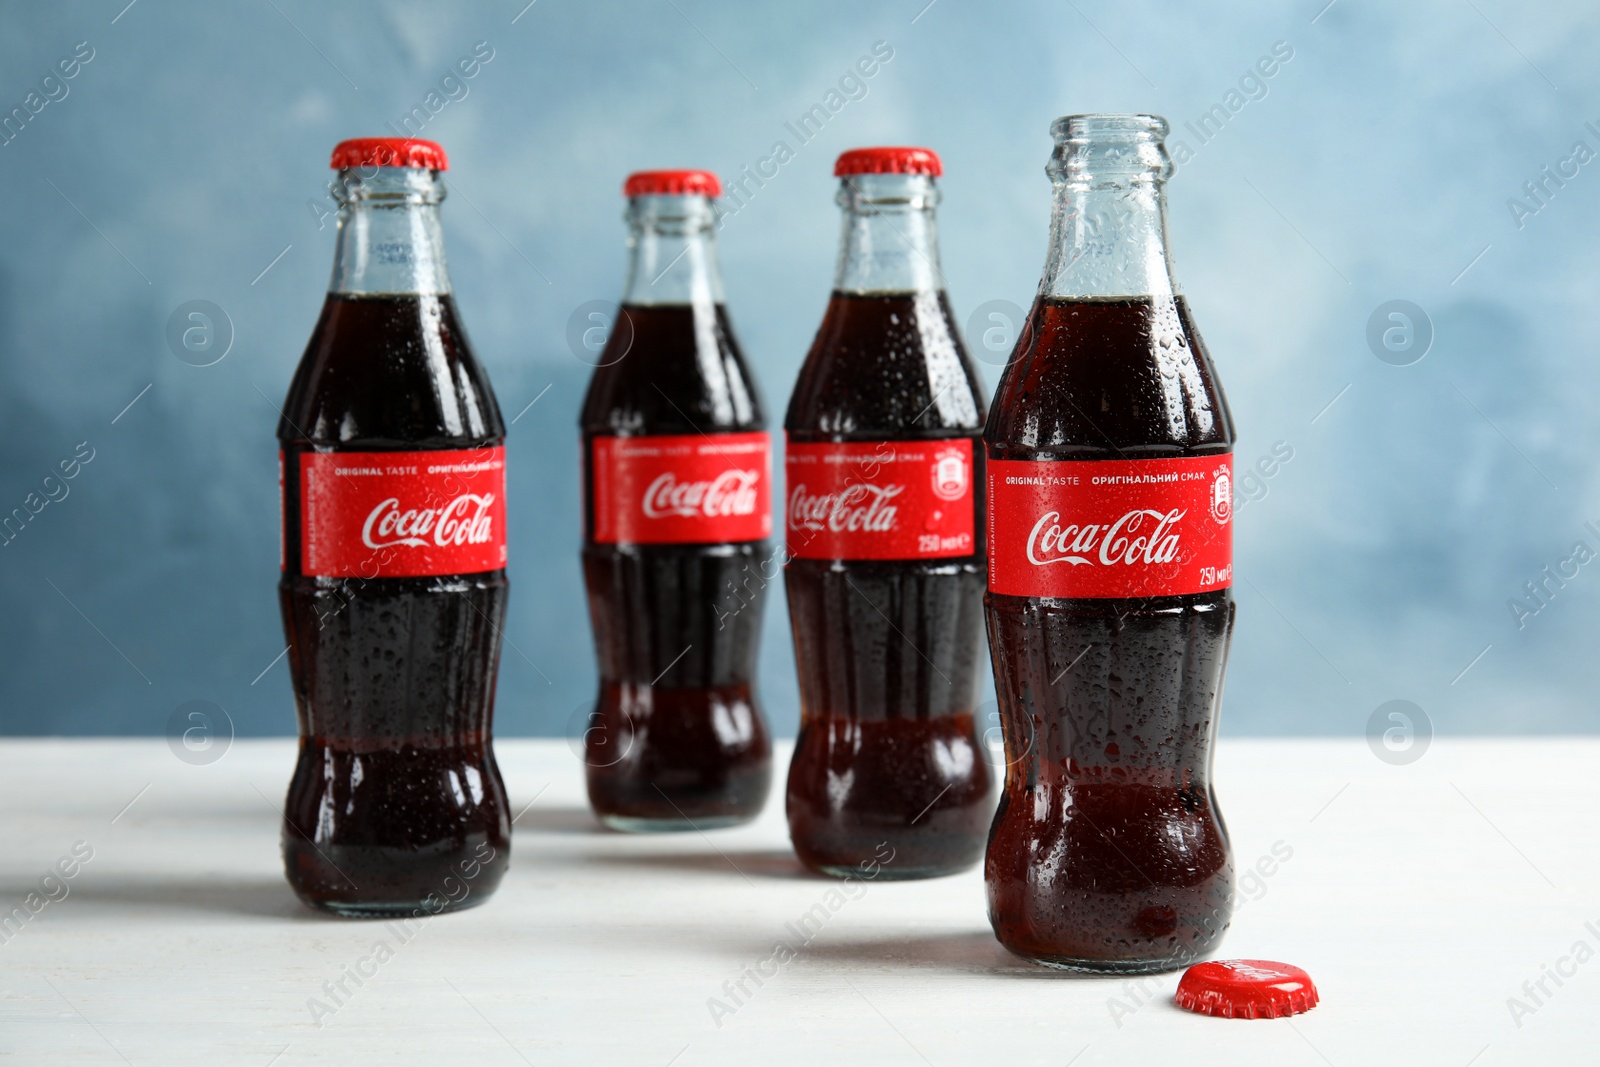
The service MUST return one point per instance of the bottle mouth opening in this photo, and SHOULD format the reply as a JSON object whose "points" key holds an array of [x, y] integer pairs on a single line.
{"points": [[1106, 127], [1109, 151], [892, 192], [667, 201], [390, 186], [676, 212]]}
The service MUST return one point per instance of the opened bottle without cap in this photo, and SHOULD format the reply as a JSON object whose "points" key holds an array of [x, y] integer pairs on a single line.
{"points": [[885, 564], [1110, 572], [394, 583], [677, 513]]}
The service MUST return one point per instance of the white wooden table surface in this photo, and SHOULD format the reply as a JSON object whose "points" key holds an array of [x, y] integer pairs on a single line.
{"points": [[1421, 899]]}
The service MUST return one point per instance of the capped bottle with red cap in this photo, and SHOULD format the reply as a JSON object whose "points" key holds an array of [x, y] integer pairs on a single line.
{"points": [[677, 513], [393, 591], [885, 564], [1110, 572]]}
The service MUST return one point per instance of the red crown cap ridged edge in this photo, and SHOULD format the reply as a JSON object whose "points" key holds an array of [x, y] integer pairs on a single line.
{"points": [[889, 160], [1246, 989], [389, 152], [672, 183]]}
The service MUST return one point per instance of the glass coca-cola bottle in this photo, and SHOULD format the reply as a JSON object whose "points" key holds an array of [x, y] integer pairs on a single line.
{"points": [[885, 566], [394, 584], [677, 513], [1110, 572]]}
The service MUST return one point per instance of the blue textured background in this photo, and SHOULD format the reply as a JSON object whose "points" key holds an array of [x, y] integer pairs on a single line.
{"points": [[189, 152]]}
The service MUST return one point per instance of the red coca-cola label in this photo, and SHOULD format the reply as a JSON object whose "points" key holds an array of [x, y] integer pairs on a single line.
{"points": [[682, 489], [402, 514], [881, 500], [1111, 528]]}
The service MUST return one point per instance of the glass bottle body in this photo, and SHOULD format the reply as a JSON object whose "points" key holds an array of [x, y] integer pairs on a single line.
{"points": [[677, 739], [396, 806], [886, 610], [1108, 852]]}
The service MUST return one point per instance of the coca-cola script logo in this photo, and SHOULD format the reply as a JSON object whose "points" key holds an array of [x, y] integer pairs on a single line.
{"points": [[733, 492], [858, 508], [1140, 536], [463, 521]]}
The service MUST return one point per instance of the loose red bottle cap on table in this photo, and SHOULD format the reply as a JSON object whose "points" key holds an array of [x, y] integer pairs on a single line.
{"points": [[888, 161], [1246, 989], [672, 183], [389, 152]]}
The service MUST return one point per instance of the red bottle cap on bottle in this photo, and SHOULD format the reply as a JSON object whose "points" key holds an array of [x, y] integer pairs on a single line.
{"points": [[1246, 989], [388, 152], [672, 183], [888, 161]]}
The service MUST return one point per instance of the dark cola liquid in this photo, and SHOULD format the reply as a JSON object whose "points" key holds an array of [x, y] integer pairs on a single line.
{"points": [[888, 651], [1108, 852], [677, 739], [396, 802]]}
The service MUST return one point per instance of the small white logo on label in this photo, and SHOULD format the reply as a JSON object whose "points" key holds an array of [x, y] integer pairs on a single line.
{"points": [[1222, 497], [951, 474]]}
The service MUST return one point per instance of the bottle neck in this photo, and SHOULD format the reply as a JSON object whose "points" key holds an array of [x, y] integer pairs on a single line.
{"points": [[672, 252], [890, 239], [1108, 230], [390, 239]]}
